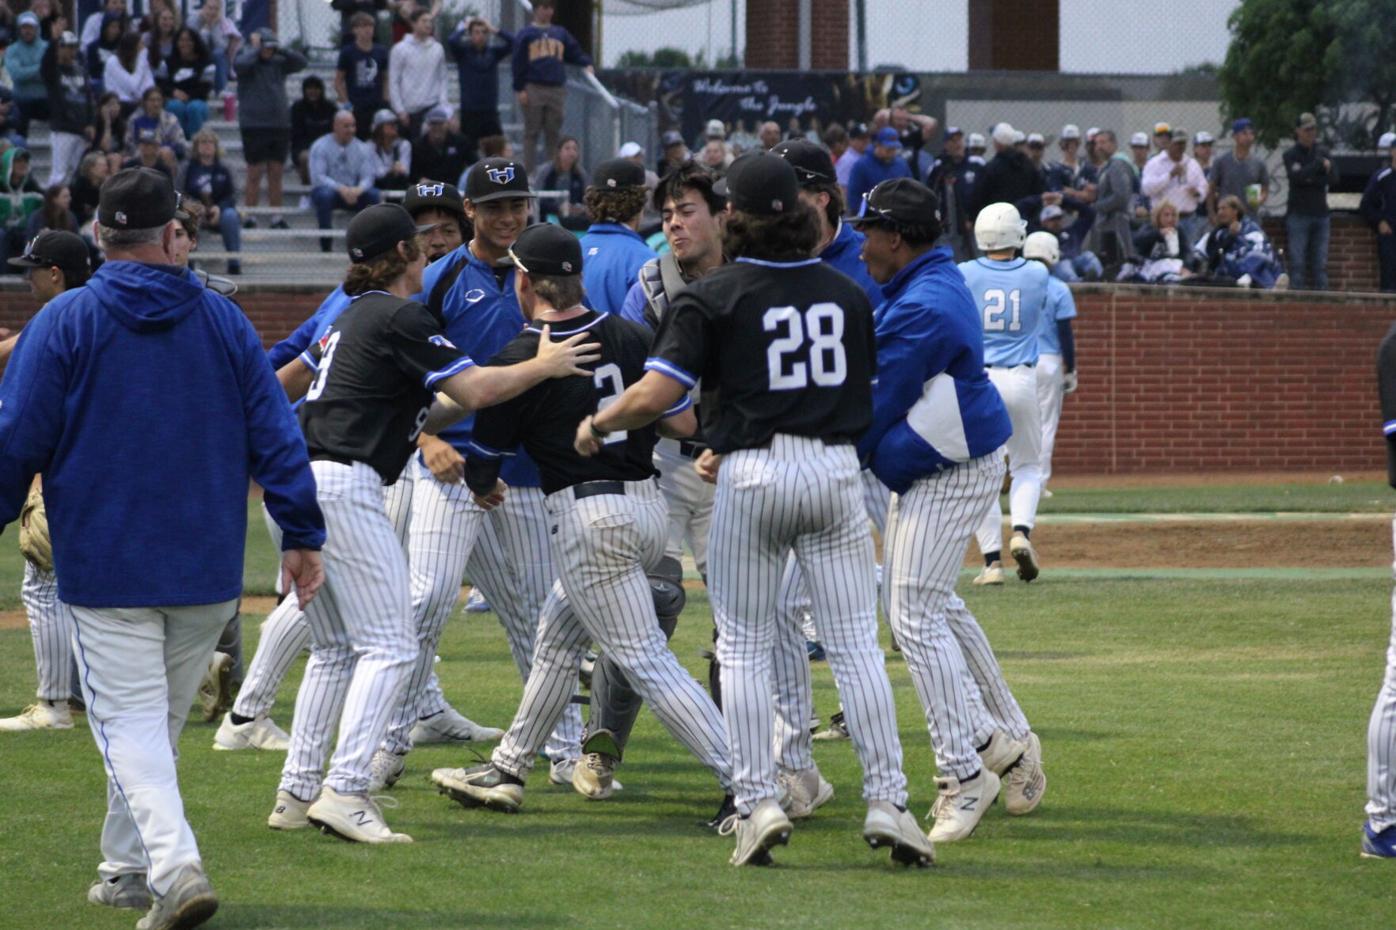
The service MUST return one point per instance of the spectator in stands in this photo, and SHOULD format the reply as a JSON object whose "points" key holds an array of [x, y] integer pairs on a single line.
{"points": [[403, 11], [87, 186], [1378, 208], [149, 152], [1077, 263], [1164, 248], [222, 39], [1139, 157], [341, 174], [187, 79], [1202, 151], [914, 130], [109, 128], [1139, 151], [880, 164], [612, 250], [947, 179], [311, 117], [160, 40], [20, 196], [835, 139], [153, 115], [857, 146], [8, 112], [540, 80], [361, 74], [440, 153], [55, 212], [349, 12], [713, 156], [564, 173], [768, 134], [1240, 173], [495, 147], [1238, 252], [1036, 150], [1173, 176], [1010, 175], [95, 24], [264, 116], [650, 220], [478, 48], [69, 107], [1310, 171], [1070, 172], [1111, 240], [208, 181], [111, 28], [1163, 137], [417, 74], [127, 73], [392, 154], [22, 60], [715, 130]]}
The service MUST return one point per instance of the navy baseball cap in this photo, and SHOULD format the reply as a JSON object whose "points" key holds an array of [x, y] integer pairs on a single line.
{"points": [[616, 174], [377, 230], [547, 249], [1240, 125], [761, 184], [137, 198], [900, 202], [812, 163], [433, 195], [496, 179], [60, 248]]}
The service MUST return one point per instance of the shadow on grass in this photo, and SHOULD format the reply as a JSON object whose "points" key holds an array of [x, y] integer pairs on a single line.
{"points": [[275, 917]]}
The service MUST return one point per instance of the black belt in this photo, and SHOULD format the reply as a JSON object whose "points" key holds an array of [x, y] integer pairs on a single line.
{"points": [[596, 489], [1019, 365], [331, 457], [690, 449]]}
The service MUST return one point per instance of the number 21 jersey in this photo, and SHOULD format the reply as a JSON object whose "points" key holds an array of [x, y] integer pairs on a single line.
{"points": [[1012, 298], [781, 347]]}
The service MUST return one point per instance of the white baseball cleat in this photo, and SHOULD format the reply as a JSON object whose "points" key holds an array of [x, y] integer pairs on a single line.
{"points": [[481, 786], [961, 804], [1020, 547], [1025, 783], [260, 733], [990, 574], [1002, 751], [892, 827], [289, 812], [560, 771], [765, 828], [384, 769], [216, 689], [475, 602], [129, 891], [353, 817], [188, 903], [803, 792], [594, 776], [451, 726], [44, 715]]}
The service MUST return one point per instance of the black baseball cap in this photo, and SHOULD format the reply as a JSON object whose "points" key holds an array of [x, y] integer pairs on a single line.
{"points": [[812, 163], [377, 230], [433, 195], [547, 249], [900, 202], [496, 179], [137, 198], [761, 184], [616, 173], [61, 248]]}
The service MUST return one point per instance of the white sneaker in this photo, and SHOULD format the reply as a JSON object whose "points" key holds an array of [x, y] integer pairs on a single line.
{"points": [[960, 806], [757, 834], [260, 733], [216, 690], [1002, 751], [41, 716], [475, 603], [990, 574], [451, 726], [594, 776], [353, 817], [128, 891], [1046, 494], [889, 826], [384, 769], [289, 812], [1020, 547], [560, 771], [804, 792], [1025, 783]]}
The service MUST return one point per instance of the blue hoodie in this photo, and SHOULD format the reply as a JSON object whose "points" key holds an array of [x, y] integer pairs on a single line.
{"points": [[845, 253], [147, 403], [611, 258], [933, 404]]}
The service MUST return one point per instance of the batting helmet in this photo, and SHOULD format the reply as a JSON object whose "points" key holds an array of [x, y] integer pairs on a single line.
{"points": [[999, 227], [1043, 245]]}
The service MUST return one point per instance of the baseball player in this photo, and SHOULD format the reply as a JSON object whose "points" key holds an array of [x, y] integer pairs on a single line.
{"points": [[1056, 344], [614, 250], [1379, 831], [1011, 293], [375, 372], [938, 425], [610, 526], [54, 261], [784, 346]]}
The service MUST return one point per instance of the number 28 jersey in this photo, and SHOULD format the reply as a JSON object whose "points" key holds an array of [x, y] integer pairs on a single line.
{"points": [[1012, 298], [781, 347]]}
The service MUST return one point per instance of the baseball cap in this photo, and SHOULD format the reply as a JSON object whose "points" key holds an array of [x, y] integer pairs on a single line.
{"points": [[1241, 125], [1387, 140], [1002, 134], [383, 117], [1071, 131], [1305, 121], [975, 141], [1203, 137], [1160, 128], [434, 115], [377, 230], [137, 198], [1019, 136], [1092, 132], [715, 129], [269, 39], [547, 249], [616, 173], [670, 138], [952, 131], [630, 150], [888, 138], [1050, 212], [496, 179], [1179, 135], [432, 195], [761, 184], [28, 19], [857, 130], [1035, 138], [811, 162], [68, 40], [899, 201], [58, 247], [1139, 140]]}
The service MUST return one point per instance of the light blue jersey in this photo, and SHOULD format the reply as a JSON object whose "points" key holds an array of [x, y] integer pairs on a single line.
{"points": [[1060, 306], [1012, 300]]}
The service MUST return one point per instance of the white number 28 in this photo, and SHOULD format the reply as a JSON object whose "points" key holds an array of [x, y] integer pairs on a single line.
{"points": [[827, 365]]}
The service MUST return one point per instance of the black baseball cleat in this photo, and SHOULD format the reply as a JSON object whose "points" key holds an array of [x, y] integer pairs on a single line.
{"points": [[725, 810]]}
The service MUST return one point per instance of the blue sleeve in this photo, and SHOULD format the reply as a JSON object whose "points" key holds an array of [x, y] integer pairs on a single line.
{"points": [[31, 410], [521, 60], [294, 344], [572, 51], [633, 307], [504, 46], [910, 352], [278, 459]]}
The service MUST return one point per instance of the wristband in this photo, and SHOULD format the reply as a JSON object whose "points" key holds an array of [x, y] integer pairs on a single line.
{"points": [[596, 431]]}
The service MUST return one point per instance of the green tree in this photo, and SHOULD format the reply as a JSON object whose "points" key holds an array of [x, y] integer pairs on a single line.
{"points": [[661, 58], [1362, 65]]}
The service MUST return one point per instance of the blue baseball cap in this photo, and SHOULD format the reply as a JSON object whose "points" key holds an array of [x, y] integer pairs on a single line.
{"points": [[888, 138], [1240, 125]]}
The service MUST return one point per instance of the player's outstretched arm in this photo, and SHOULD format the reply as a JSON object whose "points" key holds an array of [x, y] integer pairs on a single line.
{"points": [[679, 425], [295, 377], [477, 387], [653, 396]]}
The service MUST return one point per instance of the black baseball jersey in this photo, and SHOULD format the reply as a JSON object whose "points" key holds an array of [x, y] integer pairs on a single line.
{"points": [[781, 347], [375, 370], [544, 418]]}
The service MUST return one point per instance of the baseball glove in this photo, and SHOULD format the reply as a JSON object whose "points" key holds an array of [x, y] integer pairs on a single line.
{"points": [[34, 542]]}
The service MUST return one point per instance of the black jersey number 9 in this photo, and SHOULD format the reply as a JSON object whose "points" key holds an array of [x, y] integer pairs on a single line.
{"points": [[786, 364], [322, 373]]}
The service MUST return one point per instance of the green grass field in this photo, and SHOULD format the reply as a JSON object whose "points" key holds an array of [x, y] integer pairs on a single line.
{"points": [[1204, 740]]}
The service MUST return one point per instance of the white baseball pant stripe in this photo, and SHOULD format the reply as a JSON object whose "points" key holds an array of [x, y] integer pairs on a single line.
{"points": [[51, 628], [1051, 390], [1018, 388], [803, 495], [1381, 735], [604, 548], [513, 565], [690, 501], [361, 642], [136, 715]]}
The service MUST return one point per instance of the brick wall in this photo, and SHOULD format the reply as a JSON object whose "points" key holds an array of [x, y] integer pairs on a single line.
{"points": [[773, 35], [1352, 251], [1172, 379]]}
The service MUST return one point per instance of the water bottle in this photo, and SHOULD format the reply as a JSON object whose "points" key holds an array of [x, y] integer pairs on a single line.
{"points": [[230, 106]]}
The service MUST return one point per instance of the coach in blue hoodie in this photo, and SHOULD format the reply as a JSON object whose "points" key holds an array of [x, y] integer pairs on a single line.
{"points": [[612, 250], [147, 403]]}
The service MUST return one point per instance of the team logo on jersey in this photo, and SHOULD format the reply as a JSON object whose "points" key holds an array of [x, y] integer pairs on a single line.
{"points": [[593, 250], [474, 296], [431, 190], [441, 341], [501, 175]]}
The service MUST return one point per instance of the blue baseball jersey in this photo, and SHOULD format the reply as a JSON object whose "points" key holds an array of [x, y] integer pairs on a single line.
{"points": [[1060, 306], [1012, 299]]}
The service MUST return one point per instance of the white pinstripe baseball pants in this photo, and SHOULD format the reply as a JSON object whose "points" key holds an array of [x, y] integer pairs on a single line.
{"points": [[802, 495], [690, 500], [1018, 388], [1381, 735], [361, 642], [512, 563], [51, 627], [604, 547]]}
